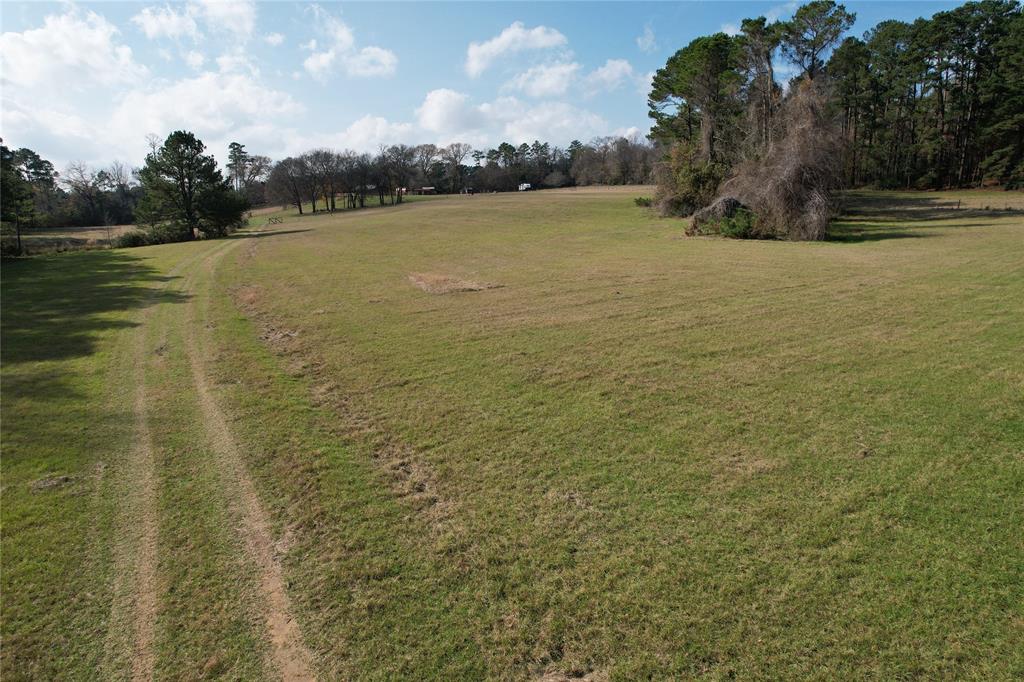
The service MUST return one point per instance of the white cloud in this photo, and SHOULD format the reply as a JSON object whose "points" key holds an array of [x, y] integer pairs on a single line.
{"points": [[340, 53], [515, 38], [773, 14], [72, 51], [781, 11], [644, 83], [545, 80], [449, 116], [610, 76], [195, 59], [557, 122], [166, 22], [215, 106], [273, 39], [338, 32], [646, 40], [446, 111], [237, 17], [319, 64], [235, 61], [630, 133], [371, 61]]}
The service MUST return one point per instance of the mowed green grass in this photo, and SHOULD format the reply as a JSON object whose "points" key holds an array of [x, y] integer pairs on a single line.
{"points": [[633, 454]]}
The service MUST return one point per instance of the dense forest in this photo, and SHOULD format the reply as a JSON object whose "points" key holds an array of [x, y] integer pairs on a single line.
{"points": [[936, 103]]}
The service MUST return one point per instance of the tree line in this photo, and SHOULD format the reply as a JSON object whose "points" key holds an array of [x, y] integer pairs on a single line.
{"points": [[325, 179], [179, 192], [931, 104]]}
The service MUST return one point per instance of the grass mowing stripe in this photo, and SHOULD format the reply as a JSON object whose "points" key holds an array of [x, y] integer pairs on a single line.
{"points": [[366, 597], [207, 623], [687, 457], [66, 322], [290, 657]]}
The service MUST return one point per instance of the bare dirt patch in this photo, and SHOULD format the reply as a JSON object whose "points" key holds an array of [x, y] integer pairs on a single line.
{"points": [[578, 676], [434, 283], [51, 482]]}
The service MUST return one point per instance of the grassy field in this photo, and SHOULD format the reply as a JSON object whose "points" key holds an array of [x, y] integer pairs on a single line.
{"points": [[521, 436], [38, 240]]}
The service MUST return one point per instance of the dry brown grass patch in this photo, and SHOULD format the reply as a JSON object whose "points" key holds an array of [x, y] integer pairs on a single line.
{"points": [[434, 283]]}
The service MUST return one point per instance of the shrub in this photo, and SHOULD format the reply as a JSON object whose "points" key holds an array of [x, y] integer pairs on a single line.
{"points": [[740, 226], [686, 183], [727, 217], [155, 234], [643, 202]]}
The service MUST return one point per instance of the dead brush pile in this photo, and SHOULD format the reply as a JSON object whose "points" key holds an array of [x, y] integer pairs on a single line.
{"points": [[791, 188]]}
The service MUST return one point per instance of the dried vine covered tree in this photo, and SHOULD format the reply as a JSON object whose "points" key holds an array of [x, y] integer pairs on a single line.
{"points": [[930, 104]]}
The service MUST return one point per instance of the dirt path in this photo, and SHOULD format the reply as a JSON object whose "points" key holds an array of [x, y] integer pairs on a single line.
{"points": [[135, 593], [130, 649], [290, 656], [146, 556]]}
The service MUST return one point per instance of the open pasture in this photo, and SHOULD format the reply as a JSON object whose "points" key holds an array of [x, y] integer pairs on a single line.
{"points": [[522, 436]]}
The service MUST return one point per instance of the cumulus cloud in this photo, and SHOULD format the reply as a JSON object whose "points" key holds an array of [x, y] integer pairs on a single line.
{"points": [[773, 14], [371, 61], [558, 122], [237, 17], [195, 59], [644, 83], [214, 105], [366, 134], [72, 51], [339, 53], [237, 60], [449, 116], [612, 75], [515, 38], [273, 39], [646, 40], [545, 80], [73, 90], [446, 111], [166, 22]]}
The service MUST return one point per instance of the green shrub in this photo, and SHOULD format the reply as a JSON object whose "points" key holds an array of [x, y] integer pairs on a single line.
{"points": [[643, 202], [155, 234], [739, 226]]}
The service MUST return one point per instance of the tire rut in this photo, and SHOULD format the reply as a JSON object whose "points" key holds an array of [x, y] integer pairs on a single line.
{"points": [[134, 604], [290, 655]]}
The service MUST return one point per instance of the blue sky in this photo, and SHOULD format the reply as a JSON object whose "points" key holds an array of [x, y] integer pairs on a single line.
{"points": [[89, 81]]}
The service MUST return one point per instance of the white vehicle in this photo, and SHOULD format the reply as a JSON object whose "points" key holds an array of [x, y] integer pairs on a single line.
{"points": [[523, 187]]}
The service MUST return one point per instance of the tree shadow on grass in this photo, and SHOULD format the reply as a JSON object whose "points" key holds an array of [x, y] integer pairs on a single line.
{"points": [[55, 306], [913, 209], [266, 233], [850, 232], [870, 218]]}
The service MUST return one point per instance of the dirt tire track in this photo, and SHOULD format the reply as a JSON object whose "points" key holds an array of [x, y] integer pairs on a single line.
{"points": [[143, 657], [134, 608], [290, 655]]}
